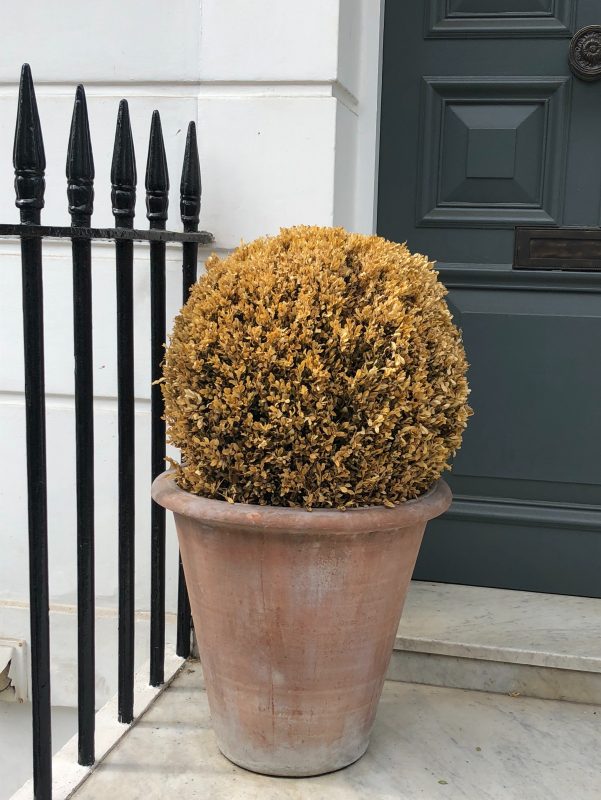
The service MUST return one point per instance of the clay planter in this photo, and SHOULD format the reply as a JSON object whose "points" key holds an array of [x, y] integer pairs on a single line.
{"points": [[296, 614]]}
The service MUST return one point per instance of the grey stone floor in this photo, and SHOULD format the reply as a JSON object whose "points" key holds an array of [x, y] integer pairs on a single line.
{"points": [[428, 742]]}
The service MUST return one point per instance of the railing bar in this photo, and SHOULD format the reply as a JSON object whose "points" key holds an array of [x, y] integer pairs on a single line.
{"points": [[111, 234], [123, 179], [126, 470], [157, 579], [29, 162], [35, 418], [84, 465], [190, 200], [184, 612], [80, 192], [157, 203], [189, 268]]}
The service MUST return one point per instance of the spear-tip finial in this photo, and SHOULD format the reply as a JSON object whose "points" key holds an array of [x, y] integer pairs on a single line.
{"points": [[29, 159], [157, 176], [190, 187], [123, 170], [80, 162]]}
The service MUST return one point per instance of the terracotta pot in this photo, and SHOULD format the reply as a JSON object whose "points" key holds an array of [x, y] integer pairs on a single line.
{"points": [[296, 614]]}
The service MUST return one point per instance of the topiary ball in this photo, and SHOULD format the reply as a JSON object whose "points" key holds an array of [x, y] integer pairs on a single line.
{"points": [[315, 368]]}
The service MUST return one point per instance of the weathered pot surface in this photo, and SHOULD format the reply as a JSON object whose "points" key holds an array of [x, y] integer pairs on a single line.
{"points": [[296, 614]]}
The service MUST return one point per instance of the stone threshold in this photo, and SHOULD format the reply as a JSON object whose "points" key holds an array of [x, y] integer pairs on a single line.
{"points": [[499, 640]]}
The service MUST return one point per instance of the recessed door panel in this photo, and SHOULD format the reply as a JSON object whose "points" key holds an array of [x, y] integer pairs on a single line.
{"points": [[499, 18], [493, 151]]}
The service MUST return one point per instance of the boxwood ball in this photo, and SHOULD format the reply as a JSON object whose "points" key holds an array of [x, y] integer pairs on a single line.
{"points": [[316, 368]]}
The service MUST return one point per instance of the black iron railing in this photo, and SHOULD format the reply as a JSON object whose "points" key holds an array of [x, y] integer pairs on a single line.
{"points": [[30, 164]]}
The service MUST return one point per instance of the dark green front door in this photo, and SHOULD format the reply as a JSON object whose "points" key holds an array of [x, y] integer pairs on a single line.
{"points": [[484, 128]]}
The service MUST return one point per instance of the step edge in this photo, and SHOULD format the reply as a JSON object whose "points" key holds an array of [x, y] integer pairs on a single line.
{"points": [[515, 680], [536, 658]]}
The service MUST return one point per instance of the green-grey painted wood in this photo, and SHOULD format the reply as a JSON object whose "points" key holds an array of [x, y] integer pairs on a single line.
{"points": [[484, 128]]}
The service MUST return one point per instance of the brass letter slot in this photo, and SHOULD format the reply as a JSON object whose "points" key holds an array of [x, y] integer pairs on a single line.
{"points": [[558, 248]]}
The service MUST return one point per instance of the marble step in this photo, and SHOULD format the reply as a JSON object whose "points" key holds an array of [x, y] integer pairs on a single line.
{"points": [[497, 640], [428, 742]]}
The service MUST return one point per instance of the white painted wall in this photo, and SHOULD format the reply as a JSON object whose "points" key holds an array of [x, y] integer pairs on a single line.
{"points": [[285, 95]]}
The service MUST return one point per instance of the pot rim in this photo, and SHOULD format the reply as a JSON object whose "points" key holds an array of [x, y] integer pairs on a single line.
{"points": [[220, 513]]}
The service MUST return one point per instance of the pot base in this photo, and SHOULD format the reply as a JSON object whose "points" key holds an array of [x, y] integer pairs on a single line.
{"points": [[280, 770]]}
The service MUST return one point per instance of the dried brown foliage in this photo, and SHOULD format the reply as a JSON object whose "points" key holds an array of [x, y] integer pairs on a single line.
{"points": [[315, 368]]}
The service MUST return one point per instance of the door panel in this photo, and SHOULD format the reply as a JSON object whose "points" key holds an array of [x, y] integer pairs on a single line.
{"points": [[483, 128], [512, 18], [536, 412], [493, 151]]}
